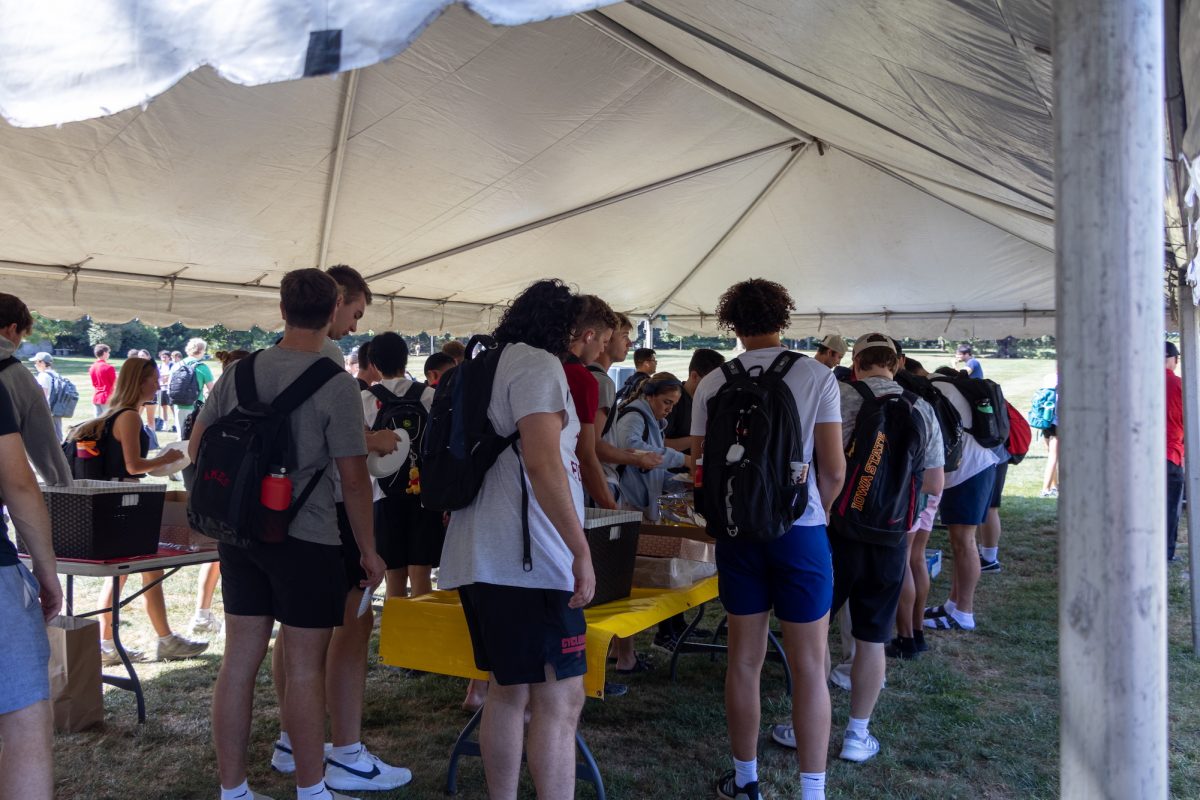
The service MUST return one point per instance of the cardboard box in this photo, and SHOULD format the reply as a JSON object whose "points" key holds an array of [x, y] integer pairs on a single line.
{"points": [[670, 573], [175, 529], [677, 541]]}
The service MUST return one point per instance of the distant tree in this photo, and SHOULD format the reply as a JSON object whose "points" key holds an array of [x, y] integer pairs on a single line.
{"points": [[108, 333]]}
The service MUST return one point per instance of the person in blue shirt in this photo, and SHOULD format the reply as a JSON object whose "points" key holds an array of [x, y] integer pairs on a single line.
{"points": [[966, 358]]}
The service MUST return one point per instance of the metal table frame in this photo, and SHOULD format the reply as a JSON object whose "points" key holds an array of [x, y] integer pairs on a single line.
{"points": [[170, 562]]}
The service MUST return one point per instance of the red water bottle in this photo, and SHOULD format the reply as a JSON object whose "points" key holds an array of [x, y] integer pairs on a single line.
{"points": [[698, 472], [276, 490]]}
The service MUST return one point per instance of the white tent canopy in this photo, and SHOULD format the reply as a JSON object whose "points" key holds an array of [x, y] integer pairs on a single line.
{"points": [[890, 164]]}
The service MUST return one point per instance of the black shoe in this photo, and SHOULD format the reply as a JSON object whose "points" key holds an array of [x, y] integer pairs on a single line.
{"points": [[902, 647], [666, 641], [919, 641], [988, 566], [727, 788]]}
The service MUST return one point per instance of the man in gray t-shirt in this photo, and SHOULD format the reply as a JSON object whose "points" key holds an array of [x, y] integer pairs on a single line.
{"points": [[300, 582]]}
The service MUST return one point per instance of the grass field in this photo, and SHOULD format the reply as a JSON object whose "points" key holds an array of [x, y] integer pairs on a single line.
{"points": [[977, 717]]}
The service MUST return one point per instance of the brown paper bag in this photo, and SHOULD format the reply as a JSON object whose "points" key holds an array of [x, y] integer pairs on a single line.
{"points": [[75, 693]]}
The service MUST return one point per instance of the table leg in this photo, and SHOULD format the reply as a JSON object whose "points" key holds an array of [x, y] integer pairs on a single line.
{"points": [[682, 643], [131, 683], [70, 595], [588, 770]]}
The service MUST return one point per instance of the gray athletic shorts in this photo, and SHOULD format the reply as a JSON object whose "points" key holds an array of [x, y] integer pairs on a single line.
{"points": [[25, 656]]}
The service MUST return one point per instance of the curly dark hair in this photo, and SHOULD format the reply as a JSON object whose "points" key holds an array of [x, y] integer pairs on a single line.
{"points": [[541, 316], [755, 307]]}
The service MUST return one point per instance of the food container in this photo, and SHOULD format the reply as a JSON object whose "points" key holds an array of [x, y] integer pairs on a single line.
{"points": [[677, 541], [104, 520]]}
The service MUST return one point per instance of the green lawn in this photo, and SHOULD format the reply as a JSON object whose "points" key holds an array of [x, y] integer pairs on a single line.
{"points": [[977, 717]]}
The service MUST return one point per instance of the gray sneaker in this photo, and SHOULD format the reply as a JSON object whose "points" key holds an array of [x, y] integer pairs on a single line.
{"points": [[206, 624], [855, 748], [176, 647], [109, 658]]}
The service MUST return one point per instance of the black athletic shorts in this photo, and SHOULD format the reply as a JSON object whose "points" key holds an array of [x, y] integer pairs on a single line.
{"points": [[1050, 433], [351, 555], [516, 632], [408, 534], [298, 583], [869, 577], [998, 486]]}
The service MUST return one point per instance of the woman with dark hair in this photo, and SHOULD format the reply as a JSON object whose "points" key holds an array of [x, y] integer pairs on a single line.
{"points": [[640, 428]]}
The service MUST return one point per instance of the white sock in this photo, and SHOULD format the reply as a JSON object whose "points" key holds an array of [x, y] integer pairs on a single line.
{"points": [[964, 619], [239, 792], [107, 646], [315, 792], [858, 727], [167, 638], [285, 740], [949, 605], [347, 753], [812, 786], [989, 553], [746, 772]]}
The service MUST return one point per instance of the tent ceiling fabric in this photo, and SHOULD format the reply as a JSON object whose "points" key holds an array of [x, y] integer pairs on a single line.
{"points": [[924, 210]]}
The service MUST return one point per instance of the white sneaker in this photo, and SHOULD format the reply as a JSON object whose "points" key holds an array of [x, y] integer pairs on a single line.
{"points": [[253, 795], [282, 759], [206, 625], [784, 735], [365, 773], [839, 676], [176, 647], [859, 749]]}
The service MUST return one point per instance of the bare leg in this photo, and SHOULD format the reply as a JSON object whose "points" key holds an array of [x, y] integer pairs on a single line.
{"points": [[501, 738], [27, 753], [743, 707], [420, 578], [397, 582], [346, 671], [989, 531], [555, 707], [304, 701], [148, 413], [908, 591], [278, 675], [477, 693], [626, 655], [156, 603], [1050, 476], [207, 584], [807, 645], [966, 567], [233, 697], [866, 679], [919, 570]]}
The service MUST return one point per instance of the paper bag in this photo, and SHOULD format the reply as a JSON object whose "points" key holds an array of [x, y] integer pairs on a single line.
{"points": [[75, 693]]}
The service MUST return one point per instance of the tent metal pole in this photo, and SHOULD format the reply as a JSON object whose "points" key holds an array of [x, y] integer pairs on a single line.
{"points": [[339, 159], [1189, 347], [676, 67], [1109, 96], [737, 223], [583, 209]]}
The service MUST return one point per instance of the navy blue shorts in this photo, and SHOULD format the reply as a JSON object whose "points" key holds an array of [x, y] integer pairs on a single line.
{"points": [[792, 574], [967, 503]]}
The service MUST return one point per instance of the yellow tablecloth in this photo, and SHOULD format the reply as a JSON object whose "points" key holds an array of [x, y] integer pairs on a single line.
{"points": [[429, 633]]}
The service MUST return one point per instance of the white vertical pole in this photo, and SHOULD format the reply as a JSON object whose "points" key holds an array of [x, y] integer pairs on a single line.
{"points": [[1108, 79], [1190, 364], [649, 334]]}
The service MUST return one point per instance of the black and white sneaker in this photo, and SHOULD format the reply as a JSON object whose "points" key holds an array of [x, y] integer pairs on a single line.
{"points": [[727, 788], [988, 566], [365, 773]]}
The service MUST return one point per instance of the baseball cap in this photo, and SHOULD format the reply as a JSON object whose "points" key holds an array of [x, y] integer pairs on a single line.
{"points": [[1172, 350], [862, 343], [49, 359], [964, 348], [835, 343]]}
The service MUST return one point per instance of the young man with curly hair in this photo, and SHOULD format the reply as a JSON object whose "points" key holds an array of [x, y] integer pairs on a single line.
{"points": [[525, 618], [792, 574]]}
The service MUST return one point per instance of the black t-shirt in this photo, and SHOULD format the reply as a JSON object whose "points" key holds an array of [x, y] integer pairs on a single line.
{"points": [[679, 421], [8, 424]]}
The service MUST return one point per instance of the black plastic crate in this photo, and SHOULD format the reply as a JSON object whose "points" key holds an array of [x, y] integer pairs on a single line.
{"points": [[104, 520], [612, 538]]}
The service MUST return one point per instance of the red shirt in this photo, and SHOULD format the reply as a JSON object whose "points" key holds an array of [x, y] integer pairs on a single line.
{"points": [[584, 390], [104, 378], [1174, 419]]}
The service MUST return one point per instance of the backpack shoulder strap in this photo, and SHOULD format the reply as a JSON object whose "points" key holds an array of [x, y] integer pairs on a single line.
{"points": [[867, 395], [732, 370], [243, 380], [596, 368], [8, 362], [415, 391], [317, 375], [782, 363], [382, 393]]}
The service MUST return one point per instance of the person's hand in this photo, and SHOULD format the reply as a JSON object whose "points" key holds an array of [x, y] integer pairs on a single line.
{"points": [[375, 568], [382, 442], [647, 460], [585, 582], [51, 595], [171, 456]]}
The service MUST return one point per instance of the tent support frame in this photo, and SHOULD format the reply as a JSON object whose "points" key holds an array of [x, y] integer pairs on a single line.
{"points": [[1109, 94], [1189, 346], [339, 159]]}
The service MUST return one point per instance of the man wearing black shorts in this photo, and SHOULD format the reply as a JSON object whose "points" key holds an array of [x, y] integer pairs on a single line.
{"points": [[526, 617], [299, 583]]}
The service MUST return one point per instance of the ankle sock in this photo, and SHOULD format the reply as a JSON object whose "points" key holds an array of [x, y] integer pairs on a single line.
{"points": [[964, 619], [167, 638], [347, 753], [745, 772], [949, 605], [315, 792], [239, 792], [858, 727], [989, 553], [812, 786], [107, 646], [285, 740]]}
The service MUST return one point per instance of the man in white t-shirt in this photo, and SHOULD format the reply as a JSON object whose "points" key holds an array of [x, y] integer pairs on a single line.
{"points": [[44, 363], [964, 507], [525, 613], [792, 574]]}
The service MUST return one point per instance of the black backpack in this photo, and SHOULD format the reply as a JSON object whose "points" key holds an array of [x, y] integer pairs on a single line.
{"points": [[755, 476], [884, 469], [461, 444], [243, 447], [102, 451], [989, 410], [944, 410], [182, 387], [611, 414], [403, 412], [629, 389]]}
